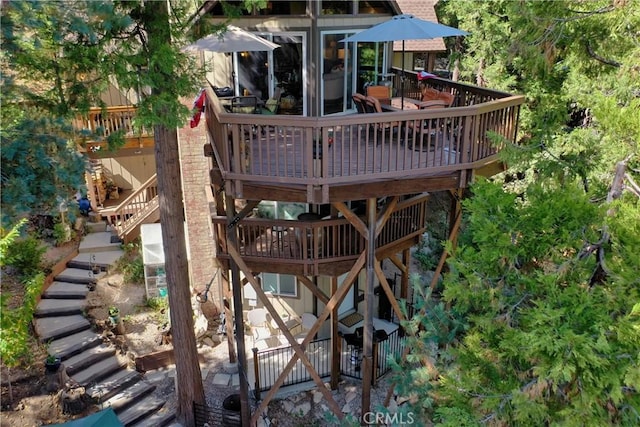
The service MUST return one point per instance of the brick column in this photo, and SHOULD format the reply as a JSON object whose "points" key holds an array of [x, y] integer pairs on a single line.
{"points": [[195, 181]]}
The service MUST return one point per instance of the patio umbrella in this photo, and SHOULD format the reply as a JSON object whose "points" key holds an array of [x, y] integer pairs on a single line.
{"points": [[233, 40], [401, 28]]}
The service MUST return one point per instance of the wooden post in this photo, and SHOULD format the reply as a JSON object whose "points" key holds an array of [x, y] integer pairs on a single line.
{"points": [[367, 359], [335, 340], [228, 316], [256, 372], [232, 232]]}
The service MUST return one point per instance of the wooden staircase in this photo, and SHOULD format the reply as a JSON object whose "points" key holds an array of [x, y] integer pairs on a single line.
{"points": [[140, 207]]}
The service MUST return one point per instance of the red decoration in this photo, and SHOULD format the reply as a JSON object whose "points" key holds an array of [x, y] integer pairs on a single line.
{"points": [[198, 105]]}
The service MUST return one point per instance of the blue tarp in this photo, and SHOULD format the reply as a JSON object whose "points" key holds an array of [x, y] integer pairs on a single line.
{"points": [[104, 418]]}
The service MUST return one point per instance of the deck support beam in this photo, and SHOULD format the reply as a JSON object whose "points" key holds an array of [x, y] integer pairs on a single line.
{"points": [[299, 349], [232, 232], [367, 346], [335, 340]]}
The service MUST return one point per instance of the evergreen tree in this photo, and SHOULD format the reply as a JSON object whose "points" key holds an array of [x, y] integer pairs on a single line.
{"points": [[538, 320]]}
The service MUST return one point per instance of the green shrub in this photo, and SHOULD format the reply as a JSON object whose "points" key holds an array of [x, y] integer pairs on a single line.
{"points": [[133, 270], [131, 264], [62, 233], [25, 255], [158, 303]]}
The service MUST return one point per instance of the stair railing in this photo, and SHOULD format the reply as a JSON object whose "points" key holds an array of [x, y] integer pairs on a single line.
{"points": [[133, 210]]}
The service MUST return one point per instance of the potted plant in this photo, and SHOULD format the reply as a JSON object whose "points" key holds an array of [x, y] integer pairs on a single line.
{"points": [[52, 363], [114, 315]]}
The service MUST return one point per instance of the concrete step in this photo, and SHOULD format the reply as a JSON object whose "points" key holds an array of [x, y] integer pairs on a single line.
{"points": [[129, 396], [104, 260], [52, 328], [88, 357], [95, 227], [60, 307], [71, 345], [160, 418], [143, 408], [78, 275], [94, 373], [112, 385], [98, 242], [66, 290]]}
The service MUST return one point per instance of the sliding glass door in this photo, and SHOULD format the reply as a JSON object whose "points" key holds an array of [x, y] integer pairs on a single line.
{"points": [[279, 73], [347, 68]]}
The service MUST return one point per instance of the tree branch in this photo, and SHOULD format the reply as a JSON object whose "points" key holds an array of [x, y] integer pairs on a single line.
{"points": [[597, 57]]}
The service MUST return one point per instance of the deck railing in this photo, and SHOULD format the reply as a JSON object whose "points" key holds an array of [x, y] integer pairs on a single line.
{"points": [[311, 243], [270, 362], [135, 209], [100, 123], [318, 152], [392, 347]]}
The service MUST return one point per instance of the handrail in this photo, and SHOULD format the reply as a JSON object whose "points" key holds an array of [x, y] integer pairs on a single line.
{"points": [[106, 121], [366, 147], [326, 241], [135, 208]]}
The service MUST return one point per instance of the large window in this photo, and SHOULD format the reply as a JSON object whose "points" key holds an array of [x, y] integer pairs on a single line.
{"points": [[280, 210], [279, 284]]}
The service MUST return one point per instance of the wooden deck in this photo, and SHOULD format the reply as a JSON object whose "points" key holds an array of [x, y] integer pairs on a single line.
{"points": [[316, 155]]}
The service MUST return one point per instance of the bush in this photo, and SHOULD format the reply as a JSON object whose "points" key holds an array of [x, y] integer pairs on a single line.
{"points": [[25, 255], [62, 233], [158, 303], [131, 264]]}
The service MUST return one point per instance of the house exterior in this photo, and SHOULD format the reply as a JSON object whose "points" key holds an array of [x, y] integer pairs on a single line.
{"points": [[296, 212]]}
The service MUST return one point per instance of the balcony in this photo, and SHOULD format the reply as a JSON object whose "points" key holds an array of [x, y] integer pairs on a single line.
{"points": [[327, 246], [105, 122], [339, 158]]}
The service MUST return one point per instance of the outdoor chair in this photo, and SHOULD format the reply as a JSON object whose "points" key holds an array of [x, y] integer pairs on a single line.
{"points": [[373, 105], [359, 100], [383, 93], [308, 320], [257, 319]]}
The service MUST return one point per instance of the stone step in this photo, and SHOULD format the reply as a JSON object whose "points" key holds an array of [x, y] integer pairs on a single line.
{"points": [[112, 385], [94, 373], [78, 275], [98, 242], [71, 345], [66, 290], [95, 227], [129, 396], [161, 418], [59, 307], [88, 357], [104, 260], [52, 328], [143, 408]]}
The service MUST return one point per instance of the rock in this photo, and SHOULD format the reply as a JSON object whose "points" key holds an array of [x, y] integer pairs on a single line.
{"points": [[287, 406], [317, 396], [350, 396], [350, 388], [73, 401], [346, 408], [303, 409], [208, 341], [200, 326]]}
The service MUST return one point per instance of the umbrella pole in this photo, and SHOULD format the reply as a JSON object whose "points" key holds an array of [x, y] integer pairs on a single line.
{"points": [[402, 80]]}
